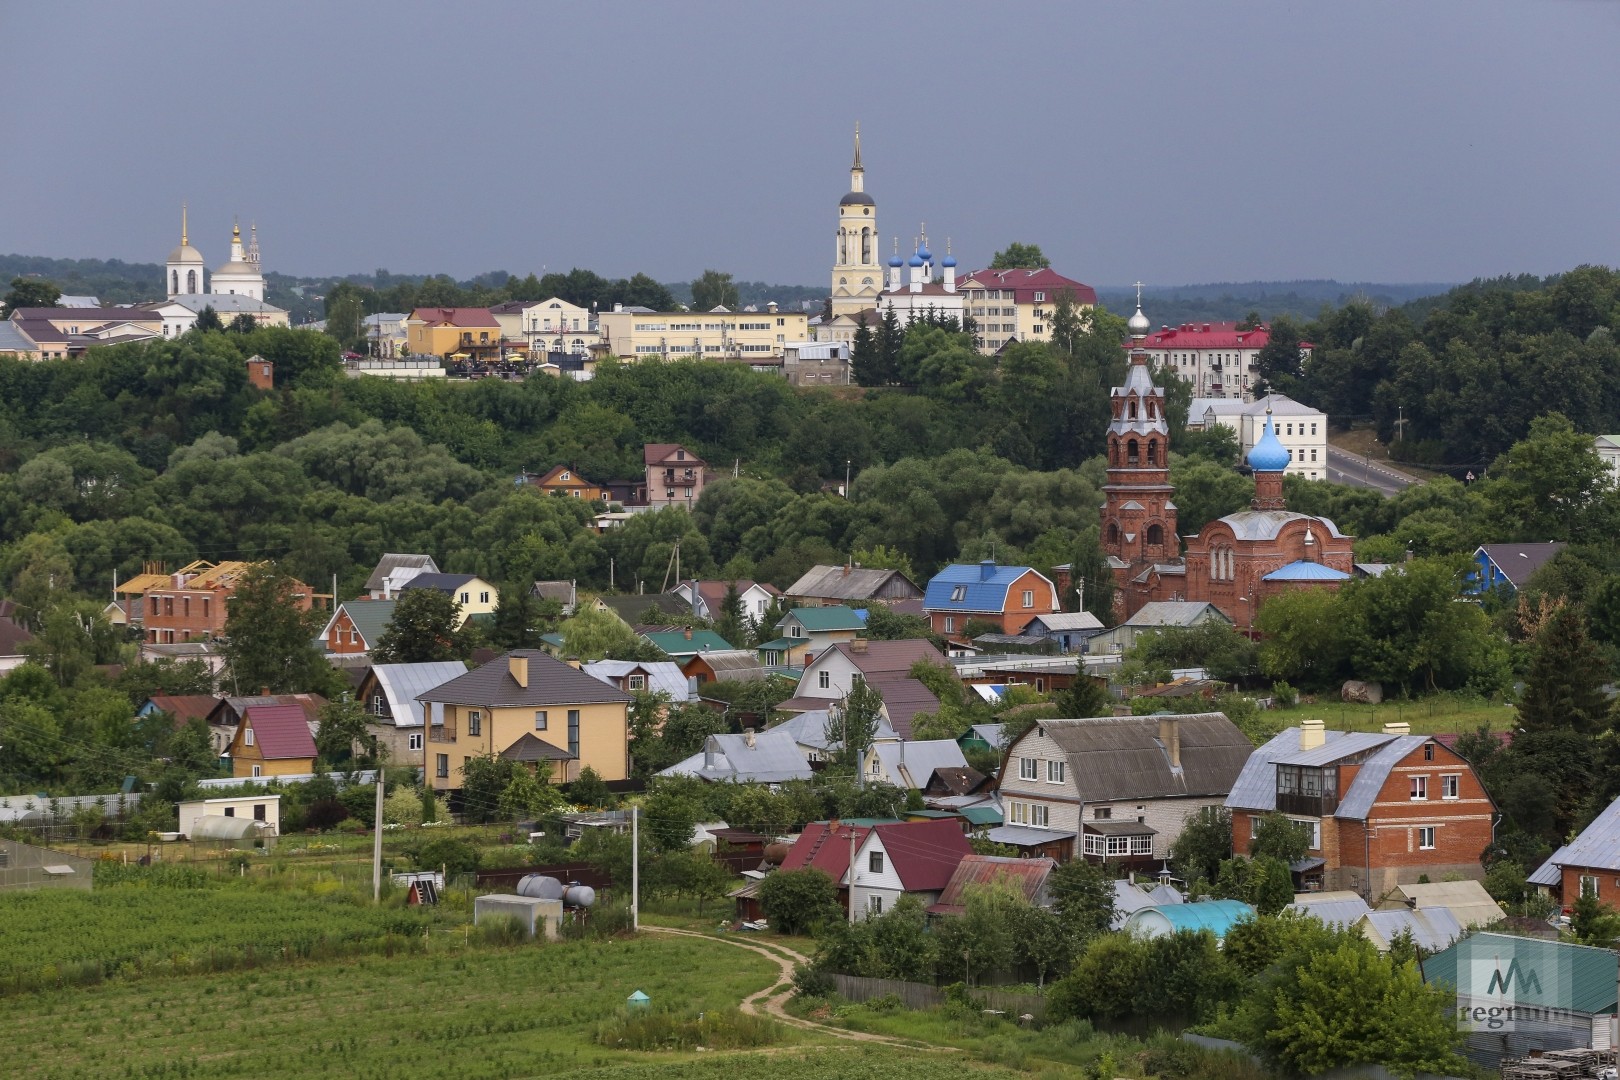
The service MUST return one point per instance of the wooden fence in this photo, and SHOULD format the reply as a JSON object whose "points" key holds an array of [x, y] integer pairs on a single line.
{"points": [[923, 996]]}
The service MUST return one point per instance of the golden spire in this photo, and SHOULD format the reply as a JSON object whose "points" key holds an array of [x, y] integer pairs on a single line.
{"points": [[857, 164], [236, 231], [183, 240]]}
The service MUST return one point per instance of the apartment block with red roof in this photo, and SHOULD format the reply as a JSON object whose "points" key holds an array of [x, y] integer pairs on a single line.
{"points": [[675, 475], [1016, 305]]}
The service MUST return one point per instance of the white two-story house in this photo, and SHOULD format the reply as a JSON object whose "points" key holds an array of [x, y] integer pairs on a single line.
{"points": [[1116, 789]]}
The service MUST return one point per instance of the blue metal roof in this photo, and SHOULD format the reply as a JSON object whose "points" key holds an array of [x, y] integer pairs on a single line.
{"points": [[1301, 570], [1216, 916], [984, 587]]}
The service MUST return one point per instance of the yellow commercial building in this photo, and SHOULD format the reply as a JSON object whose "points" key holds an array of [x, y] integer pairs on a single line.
{"points": [[527, 707], [721, 334]]}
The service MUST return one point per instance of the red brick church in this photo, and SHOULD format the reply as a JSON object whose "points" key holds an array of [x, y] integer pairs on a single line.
{"points": [[1234, 562]]}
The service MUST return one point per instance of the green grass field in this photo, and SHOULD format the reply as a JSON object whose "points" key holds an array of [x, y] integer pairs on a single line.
{"points": [[1440, 713]]}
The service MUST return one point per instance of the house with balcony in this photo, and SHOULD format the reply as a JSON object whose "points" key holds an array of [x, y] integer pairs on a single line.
{"points": [[454, 333], [557, 713], [1005, 597], [1116, 790], [1379, 809], [675, 475]]}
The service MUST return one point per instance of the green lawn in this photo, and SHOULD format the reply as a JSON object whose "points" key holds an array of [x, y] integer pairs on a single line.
{"points": [[1441, 713]]}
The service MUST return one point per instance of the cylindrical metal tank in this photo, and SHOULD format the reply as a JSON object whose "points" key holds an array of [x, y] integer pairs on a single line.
{"points": [[579, 896], [540, 887]]}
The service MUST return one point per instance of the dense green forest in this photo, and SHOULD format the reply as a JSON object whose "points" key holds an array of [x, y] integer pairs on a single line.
{"points": [[1172, 305]]}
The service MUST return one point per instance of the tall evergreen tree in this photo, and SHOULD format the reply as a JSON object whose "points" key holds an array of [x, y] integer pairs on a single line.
{"points": [[890, 338], [1564, 687], [731, 625], [865, 362], [1089, 568]]}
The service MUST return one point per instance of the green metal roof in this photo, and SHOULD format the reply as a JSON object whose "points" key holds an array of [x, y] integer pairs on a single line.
{"points": [[931, 814], [1552, 974], [982, 815], [781, 644], [370, 617], [676, 643], [821, 620]]}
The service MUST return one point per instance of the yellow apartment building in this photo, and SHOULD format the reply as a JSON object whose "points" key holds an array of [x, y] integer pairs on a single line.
{"points": [[642, 334]]}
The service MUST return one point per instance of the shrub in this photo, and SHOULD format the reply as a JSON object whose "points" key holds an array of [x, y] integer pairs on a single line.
{"points": [[810, 980], [725, 1029], [456, 856], [324, 814], [795, 901]]}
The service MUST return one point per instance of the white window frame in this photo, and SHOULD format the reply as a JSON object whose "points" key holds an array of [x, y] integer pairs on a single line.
{"points": [[1425, 833], [874, 905], [874, 862], [638, 682], [1420, 788], [825, 680], [1039, 815], [542, 719], [1029, 598], [257, 771], [1451, 786], [1029, 769], [1589, 885], [950, 624], [414, 740], [1056, 771], [958, 594]]}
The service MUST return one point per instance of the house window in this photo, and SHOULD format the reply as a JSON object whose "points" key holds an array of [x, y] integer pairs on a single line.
{"points": [[1311, 830], [795, 630], [874, 905], [1420, 788], [230, 811], [1055, 771], [1040, 298], [874, 862], [1426, 838], [1449, 785], [1428, 751], [638, 682], [1102, 813], [1018, 813], [573, 732], [475, 723], [441, 766], [258, 812], [415, 740], [483, 597], [950, 624], [379, 705], [464, 597], [1589, 885], [539, 719], [1037, 815], [1029, 598], [1096, 845], [247, 737], [825, 680], [1028, 769], [958, 594], [257, 771], [1119, 845]]}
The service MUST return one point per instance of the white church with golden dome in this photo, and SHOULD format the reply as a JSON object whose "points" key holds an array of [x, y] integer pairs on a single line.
{"points": [[236, 288]]}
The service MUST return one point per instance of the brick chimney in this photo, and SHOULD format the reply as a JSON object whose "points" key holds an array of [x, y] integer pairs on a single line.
{"points": [[688, 633], [858, 646], [1311, 734], [517, 665], [1170, 737], [748, 737]]}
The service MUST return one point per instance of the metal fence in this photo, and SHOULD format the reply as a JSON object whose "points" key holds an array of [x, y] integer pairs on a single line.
{"points": [[923, 996], [24, 866]]}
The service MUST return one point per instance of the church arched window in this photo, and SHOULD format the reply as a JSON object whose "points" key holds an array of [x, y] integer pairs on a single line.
{"points": [[1132, 453], [1113, 533], [191, 282], [1155, 535], [174, 281], [843, 247], [1153, 450], [1131, 408], [1150, 408], [866, 246]]}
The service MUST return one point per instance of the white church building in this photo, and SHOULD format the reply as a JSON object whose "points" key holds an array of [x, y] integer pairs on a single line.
{"points": [[236, 288]]}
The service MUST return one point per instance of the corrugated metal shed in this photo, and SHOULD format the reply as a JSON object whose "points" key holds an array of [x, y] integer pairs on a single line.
{"points": [[1574, 977], [1026, 836], [1466, 900], [1432, 929], [1340, 910]]}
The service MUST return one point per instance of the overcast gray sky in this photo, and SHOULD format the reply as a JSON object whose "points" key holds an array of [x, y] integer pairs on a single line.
{"points": [[1179, 141]]}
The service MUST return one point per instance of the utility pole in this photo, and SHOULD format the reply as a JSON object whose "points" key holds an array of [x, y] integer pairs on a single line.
{"points": [[376, 844], [635, 868], [846, 477]]}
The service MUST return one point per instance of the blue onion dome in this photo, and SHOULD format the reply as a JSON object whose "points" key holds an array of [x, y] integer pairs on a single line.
{"points": [[1269, 455], [949, 260], [895, 260], [923, 253], [915, 260]]}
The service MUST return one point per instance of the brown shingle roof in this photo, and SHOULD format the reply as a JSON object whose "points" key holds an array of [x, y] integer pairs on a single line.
{"points": [[551, 682], [657, 453]]}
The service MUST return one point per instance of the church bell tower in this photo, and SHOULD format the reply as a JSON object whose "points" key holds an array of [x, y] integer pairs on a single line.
{"points": [[857, 277], [1138, 518]]}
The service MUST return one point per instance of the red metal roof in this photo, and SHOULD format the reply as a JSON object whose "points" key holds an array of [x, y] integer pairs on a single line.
{"points": [[1220, 335], [1026, 283], [924, 853], [280, 731], [185, 707], [825, 846], [1027, 875]]}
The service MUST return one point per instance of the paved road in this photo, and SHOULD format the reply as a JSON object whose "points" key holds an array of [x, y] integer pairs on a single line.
{"points": [[1344, 467]]}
